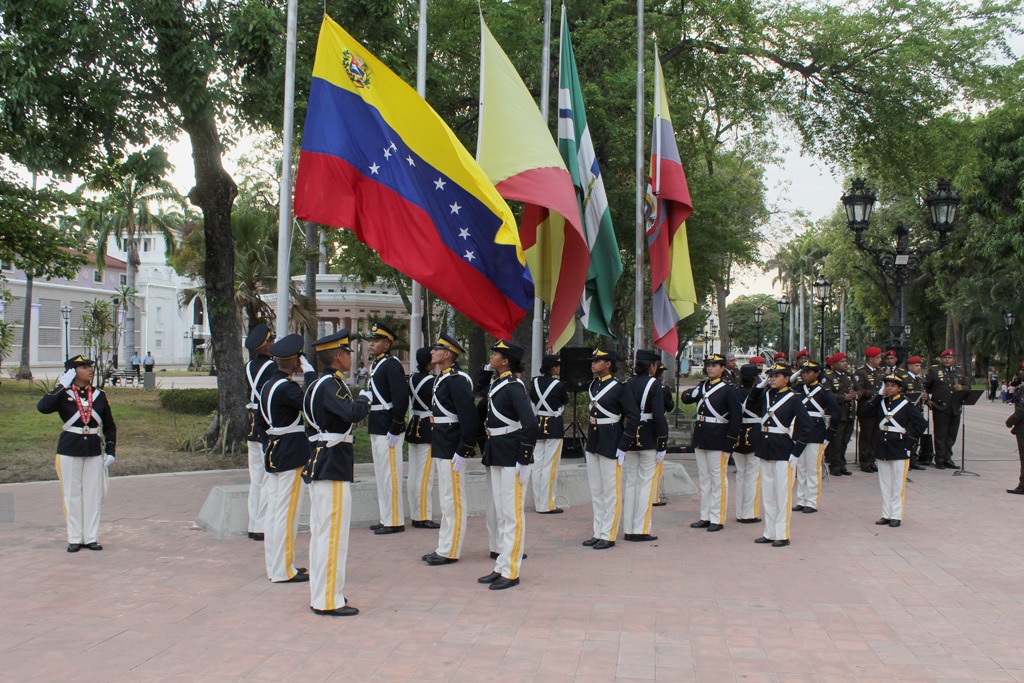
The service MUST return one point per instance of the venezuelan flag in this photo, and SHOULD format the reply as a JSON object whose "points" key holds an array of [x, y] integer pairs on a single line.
{"points": [[378, 160]]}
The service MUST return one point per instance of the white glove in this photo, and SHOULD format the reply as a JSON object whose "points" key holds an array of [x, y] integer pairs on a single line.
{"points": [[458, 463], [367, 395], [108, 460], [620, 455], [305, 364], [695, 393], [881, 389], [523, 472], [393, 440], [763, 383], [792, 462], [659, 456], [67, 378]]}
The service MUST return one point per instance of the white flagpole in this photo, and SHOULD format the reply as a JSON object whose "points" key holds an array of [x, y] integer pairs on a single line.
{"points": [[656, 171], [638, 329], [416, 315], [284, 224], [537, 346]]}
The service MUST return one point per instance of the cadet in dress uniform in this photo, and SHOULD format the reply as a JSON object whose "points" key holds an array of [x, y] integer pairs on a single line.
{"points": [[913, 383], [330, 410], [748, 465], [452, 440], [389, 403], [1016, 424], [940, 383], [719, 419], [511, 437], [839, 381], [803, 357], [824, 413], [85, 449], [785, 427], [286, 454], [257, 370], [867, 380], [646, 449], [612, 418], [549, 396], [668, 398], [420, 484], [900, 425]]}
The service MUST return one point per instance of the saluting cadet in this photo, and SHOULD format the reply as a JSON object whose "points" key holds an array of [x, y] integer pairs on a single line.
{"points": [[718, 421], [900, 425], [389, 403], [257, 370], [867, 381], [330, 410], [824, 413], [803, 357], [286, 454], [420, 484], [549, 396], [511, 437], [646, 449], [85, 449], [669, 399], [941, 382], [748, 465], [452, 440], [784, 430], [839, 381], [612, 417], [913, 383]]}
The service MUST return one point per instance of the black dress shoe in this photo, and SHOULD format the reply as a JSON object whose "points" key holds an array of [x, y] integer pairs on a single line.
{"points": [[425, 524], [715, 527], [798, 508], [882, 522], [300, 570], [385, 530], [256, 536], [781, 543], [835, 473], [435, 560], [845, 472], [659, 503], [763, 539], [502, 583], [630, 537], [644, 538], [870, 469], [374, 527], [952, 465], [809, 510], [74, 547], [345, 611], [93, 546], [894, 523], [590, 542], [917, 467], [939, 465], [604, 545], [494, 555], [300, 577], [702, 524], [1019, 491], [749, 520], [552, 511], [490, 578]]}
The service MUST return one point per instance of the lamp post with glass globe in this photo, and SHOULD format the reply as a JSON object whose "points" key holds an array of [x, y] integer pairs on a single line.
{"points": [[758, 314], [65, 312], [1008, 320], [822, 288], [783, 307]]}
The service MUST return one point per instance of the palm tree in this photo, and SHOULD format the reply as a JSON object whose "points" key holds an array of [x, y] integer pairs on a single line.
{"points": [[124, 296]]}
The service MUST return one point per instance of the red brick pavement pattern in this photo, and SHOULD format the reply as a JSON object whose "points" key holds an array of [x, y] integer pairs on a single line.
{"points": [[935, 600]]}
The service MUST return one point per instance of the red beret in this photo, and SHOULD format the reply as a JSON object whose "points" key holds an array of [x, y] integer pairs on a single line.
{"points": [[913, 359], [803, 352], [780, 354], [947, 352], [890, 352], [872, 351], [754, 360], [835, 358]]}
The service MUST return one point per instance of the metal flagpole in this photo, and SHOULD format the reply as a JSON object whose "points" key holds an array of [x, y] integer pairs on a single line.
{"points": [[416, 315], [284, 224], [537, 344], [638, 329]]}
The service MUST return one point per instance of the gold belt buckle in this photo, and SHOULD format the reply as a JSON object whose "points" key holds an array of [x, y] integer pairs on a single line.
{"points": [[85, 431], [593, 420]]}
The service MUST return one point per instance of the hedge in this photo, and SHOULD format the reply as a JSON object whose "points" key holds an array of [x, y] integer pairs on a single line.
{"points": [[194, 401]]}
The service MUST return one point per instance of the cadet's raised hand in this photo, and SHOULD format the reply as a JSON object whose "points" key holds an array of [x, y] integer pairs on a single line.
{"points": [[67, 378]]}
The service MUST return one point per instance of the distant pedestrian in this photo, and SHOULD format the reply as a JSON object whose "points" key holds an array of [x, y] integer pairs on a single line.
{"points": [[136, 363], [148, 363], [993, 384]]}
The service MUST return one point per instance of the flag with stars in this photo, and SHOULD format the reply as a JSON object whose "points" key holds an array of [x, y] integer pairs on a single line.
{"points": [[520, 157], [378, 160]]}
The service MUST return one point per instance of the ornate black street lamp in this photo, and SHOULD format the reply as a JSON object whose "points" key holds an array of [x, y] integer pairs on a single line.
{"points": [[899, 263], [65, 312], [822, 288], [1008, 320], [783, 306], [714, 334], [758, 314]]}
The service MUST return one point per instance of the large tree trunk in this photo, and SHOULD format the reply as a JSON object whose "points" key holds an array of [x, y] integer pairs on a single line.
{"points": [[131, 247], [25, 368], [721, 294]]}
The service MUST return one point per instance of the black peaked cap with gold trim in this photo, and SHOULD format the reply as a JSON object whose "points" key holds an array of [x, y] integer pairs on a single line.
{"points": [[382, 331], [76, 361], [287, 347], [259, 336], [448, 343], [338, 340], [513, 352], [604, 353]]}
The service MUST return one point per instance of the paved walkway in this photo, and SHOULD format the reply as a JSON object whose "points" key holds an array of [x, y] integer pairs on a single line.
{"points": [[938, 599]]}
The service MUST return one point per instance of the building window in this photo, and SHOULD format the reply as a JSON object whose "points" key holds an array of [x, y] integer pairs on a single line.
{"points": [[158, 343], [97, 276], [122, 279], [145, 245]]}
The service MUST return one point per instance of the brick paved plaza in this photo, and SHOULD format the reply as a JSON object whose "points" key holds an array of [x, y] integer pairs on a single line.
{"points": [[938, 599]]}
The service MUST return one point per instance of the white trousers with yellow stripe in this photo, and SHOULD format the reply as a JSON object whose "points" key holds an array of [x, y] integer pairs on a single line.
{"points": [[714, 485], [420, 484], [507, 493], [544, 473], [776, 491], [808, 476], [639, 490], [330, 514], [257, 475], [605, 477], [387, 469], [451, 487], [281, 524], [748, 485], [81, 483], [892, 478]]}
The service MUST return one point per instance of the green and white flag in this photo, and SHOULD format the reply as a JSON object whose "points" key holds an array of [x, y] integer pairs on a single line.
{"points": [[577, 151]]}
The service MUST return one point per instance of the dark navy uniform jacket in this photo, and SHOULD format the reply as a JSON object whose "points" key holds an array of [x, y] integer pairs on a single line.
{"points": [[785, 425], [750, 428], [651, 430], [256, 373], [668, 398], [79, 445], [820, 403], [454, 416], [509, 444], [719, 415], [390, 396], [329, 404], [281, 404], [900, 425], [551, 424], [421, 388], [613, 417]]}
